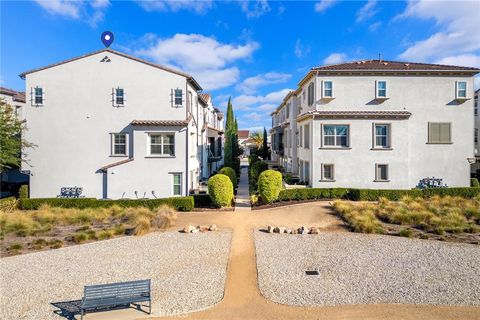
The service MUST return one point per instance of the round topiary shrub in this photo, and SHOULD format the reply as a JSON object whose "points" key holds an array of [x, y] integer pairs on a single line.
{"points": [[231, 174], [269, 185], [257, 168], [220, 189]]}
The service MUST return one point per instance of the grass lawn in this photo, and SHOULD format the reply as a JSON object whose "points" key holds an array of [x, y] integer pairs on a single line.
{"points": [[442, 218], [49, 227]]}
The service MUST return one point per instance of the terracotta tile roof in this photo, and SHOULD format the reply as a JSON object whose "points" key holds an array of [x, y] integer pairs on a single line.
{"points": [[356, 115], [173, 123], [116, 164], [243, 134], [204, 97], [383, 65], [16, 95], [107, 50]]}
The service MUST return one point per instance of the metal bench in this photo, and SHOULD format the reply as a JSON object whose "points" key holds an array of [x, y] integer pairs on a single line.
{"points": [[114, 294]]}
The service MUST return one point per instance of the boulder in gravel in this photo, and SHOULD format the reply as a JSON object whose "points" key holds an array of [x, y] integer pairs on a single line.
{"points": [[213, 227], [188, 229], [313, 230], [302, 230], [281, 229], [276, 230], [289, 231], [270, 229]]}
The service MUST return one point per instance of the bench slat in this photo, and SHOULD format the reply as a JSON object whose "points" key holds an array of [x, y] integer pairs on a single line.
{"points": [[116, 293]]}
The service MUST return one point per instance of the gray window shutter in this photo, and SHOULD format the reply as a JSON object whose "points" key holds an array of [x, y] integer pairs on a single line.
{"points": [[445, 132]]}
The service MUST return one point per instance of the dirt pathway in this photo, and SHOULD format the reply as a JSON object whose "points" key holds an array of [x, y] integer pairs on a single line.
{"points": [[243, 299]]}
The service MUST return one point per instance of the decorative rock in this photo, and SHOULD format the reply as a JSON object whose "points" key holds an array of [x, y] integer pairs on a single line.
{"points": [[281, 229], [313, 230], [276, 230], [302, 230], [270, 229], [294, 231], [289, 231], [195, 230], [203, 228], [213, 227], [188, 229]]}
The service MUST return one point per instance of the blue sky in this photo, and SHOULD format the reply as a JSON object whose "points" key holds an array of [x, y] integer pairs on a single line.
{"points": [[253, 51]]}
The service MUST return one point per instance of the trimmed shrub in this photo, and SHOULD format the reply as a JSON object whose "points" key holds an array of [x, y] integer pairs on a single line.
{"points": [[252, 159], [220, 189], [202, 201], [257, 168], [453, 192], [23, 192], [474, 182], [396, 195], [8, 204], [178, 203], [313, 194], [269, 185], [230, 172]]}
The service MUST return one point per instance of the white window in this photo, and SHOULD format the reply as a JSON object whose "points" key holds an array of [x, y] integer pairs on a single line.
{"points": [[381, 90], [439, 132], [461, 90], [119, 97], [288, 110], [190, 101], [304, 94], [178, 97], [328, 172], [119, 144], [162, 144], [381, 136], [37, 96], [306, 136], [336, 136], [327, 89], [301, 137], [311, 94], [177, 184], [381, 172]]}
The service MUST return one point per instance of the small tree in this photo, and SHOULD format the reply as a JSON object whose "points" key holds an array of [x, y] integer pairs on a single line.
{"points": [[11, 142], [265, 145]]}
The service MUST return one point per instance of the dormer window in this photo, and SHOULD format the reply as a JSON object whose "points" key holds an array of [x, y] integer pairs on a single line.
{"points": [[327, 90], [461, 90], [38, 95], [178, 97], [119, 97], [381, 90]]}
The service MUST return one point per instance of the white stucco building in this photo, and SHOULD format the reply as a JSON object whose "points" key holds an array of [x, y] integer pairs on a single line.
{"points": [[115, 126], [379, 124]]}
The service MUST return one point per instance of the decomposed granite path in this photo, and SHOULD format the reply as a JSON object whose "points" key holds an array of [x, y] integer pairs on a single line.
{"points": [[243, 300]]}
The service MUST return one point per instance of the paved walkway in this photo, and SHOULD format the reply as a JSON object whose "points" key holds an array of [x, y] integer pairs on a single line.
{"points": [[242, 201]]}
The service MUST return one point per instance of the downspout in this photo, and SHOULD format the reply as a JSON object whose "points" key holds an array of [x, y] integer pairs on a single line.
{"points": [[312, 139]]}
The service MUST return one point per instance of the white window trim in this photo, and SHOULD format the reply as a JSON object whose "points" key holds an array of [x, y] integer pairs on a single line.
{"points": [[33, 95], [115, 104], [112, 144], [150, 155], [378, 97], [323, 178], [389, 136], [174, 100], [173, 183], [324, 96], [457, 96], [313, 93], [377, 178], [323, 146]]}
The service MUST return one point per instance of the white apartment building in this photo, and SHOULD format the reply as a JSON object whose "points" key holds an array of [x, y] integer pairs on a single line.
{"points": [[381, 125], [115, 126]]}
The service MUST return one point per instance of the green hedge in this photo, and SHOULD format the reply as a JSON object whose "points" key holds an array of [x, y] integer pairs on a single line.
{"points": [[178, 203], [474, 182], [269, 185], [230, 172], [394, 195], [23, 192], [256, 168], [202, 201], [312, 194], [220, 189]]}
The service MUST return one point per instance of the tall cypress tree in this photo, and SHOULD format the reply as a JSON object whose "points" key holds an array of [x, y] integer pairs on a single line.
{"points": [[229, 129], [265, 145]]}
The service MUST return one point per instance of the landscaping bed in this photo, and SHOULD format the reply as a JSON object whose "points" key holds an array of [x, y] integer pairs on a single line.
{"points": [[441, 218], [23, 231]]}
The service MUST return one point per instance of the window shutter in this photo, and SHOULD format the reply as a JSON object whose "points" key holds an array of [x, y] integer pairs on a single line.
{"points": [[445, 132], [434, 133]]}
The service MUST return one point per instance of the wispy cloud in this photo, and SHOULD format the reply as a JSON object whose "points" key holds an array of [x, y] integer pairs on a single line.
{"points": [[250, 85], [374, 26], [458, 40], [301, 50], [92, 12], [367, 11], [208, 60], [196, 6], [255, 9], [323, 5], [335, 58]]}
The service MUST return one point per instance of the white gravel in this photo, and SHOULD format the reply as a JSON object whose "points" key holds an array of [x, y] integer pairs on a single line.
{"points": [[366, 269], [188, 273]]}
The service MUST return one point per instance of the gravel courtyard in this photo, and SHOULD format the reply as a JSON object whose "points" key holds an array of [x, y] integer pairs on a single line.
{"points": [[366, 269], [188, 273]]}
